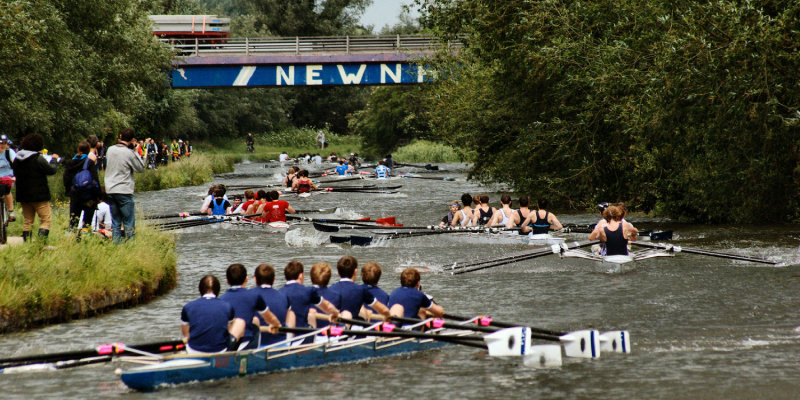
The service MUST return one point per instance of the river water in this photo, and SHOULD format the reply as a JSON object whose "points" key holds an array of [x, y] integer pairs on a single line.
{"points": [[701, 327]]}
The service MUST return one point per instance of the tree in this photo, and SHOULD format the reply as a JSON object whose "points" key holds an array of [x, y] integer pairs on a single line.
{"points": [[683, 107]]}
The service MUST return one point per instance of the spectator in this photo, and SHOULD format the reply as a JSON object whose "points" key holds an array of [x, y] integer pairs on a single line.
{"points": [[31, 169], [83, 196], [101, 223], [7, 155], [123, 161]]}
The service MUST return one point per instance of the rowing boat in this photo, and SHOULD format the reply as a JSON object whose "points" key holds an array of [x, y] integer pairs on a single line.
{"points": [[615, 263], [190, 368], [506, 237]]}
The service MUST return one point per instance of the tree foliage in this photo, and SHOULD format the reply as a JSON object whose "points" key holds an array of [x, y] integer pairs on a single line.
{"points": [[688, 108], [392, 116], [73, 68]]}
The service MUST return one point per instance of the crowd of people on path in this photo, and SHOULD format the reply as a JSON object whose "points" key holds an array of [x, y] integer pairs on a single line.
{"points": [[107, 210], [248, 318]]}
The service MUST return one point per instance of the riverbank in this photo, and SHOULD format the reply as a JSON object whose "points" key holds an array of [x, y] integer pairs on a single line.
{"points": [[66, 278], [293, 141]]}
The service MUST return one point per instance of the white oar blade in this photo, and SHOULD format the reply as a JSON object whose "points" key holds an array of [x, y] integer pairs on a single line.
{"points": [[543, 356], [616, 342], [508, 342], [582, 344]]}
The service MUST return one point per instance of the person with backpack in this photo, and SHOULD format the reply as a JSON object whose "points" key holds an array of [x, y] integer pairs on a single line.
{"points": [[123, 161], [81, 185], [33, 193], [7, 155]]}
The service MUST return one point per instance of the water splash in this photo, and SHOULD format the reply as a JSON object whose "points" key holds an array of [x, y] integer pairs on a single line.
{"points": [[304, 237]]}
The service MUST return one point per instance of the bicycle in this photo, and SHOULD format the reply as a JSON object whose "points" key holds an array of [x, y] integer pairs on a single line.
{"points": [[251, 148], [4, 190]]}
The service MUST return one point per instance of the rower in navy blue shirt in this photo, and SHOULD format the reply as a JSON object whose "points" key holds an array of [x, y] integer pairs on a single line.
{"points": [[301, 298], [276, 301], [371, 275], [320, 277], [409, 302], [247, 304], [206, 321], [354, 296]]}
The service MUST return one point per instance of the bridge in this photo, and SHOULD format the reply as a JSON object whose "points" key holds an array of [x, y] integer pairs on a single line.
{"points": [[302, 61]]}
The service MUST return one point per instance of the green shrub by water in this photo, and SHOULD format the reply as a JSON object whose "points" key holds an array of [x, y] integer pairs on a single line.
{"points": [[293, 141], [426, 151], [37, 280]]}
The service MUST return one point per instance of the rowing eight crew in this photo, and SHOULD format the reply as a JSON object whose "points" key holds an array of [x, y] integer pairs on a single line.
{"points": [[230, 322], [536, 222]]}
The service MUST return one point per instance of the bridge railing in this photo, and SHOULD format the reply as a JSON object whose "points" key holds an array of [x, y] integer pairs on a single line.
{"points": [[307, 45]]}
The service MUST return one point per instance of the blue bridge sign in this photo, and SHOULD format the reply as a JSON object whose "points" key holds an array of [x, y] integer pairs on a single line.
{"points": [[281, 71]]}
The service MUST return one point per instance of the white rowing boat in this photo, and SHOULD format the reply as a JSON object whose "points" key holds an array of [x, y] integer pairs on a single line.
{"points": [[506, 237], [615, 263]]}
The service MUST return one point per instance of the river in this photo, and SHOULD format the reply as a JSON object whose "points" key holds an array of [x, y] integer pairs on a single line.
{"points": [[701, 327]]}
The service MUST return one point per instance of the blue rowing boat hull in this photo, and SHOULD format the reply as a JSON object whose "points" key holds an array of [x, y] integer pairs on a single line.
{"points": [[198, 368]]}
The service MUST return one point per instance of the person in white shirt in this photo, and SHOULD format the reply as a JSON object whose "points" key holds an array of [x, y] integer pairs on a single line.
{"points": [[283, 157], [101, 221]]}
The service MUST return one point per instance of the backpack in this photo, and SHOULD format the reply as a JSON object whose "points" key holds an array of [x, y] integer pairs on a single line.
{"points": [[84, 184]]}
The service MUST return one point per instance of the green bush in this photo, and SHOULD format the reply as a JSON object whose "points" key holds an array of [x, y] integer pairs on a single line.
{"points": [[427, 151]]}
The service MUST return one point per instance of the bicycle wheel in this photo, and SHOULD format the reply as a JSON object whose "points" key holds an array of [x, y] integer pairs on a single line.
{"points": [[3, 222]]}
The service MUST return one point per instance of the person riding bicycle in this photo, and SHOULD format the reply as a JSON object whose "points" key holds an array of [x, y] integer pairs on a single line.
{"points": [[7, 156], [250, 142]]}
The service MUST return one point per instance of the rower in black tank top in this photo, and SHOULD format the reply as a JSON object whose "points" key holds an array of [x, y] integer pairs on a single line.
{"points": [[541, 225], [616, 244], [485, 216]]}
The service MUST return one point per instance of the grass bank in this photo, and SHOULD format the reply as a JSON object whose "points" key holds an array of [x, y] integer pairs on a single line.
{"points": [[419, 151], [294, 141], [67, 278]]}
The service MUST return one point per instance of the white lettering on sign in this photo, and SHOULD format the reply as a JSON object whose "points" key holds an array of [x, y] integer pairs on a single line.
{"points": [[349, 78], [385, 70], [313, 74], [282, 77], [420, 73], [244, 76]]}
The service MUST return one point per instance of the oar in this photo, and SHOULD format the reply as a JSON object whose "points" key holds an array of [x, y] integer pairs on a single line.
{"points": [[586, 343], [200, 222], [396, 333], [705, 252], [104, 350], [540, 252], [359, 226], [174, 215], [319, 210], [466, 342]]}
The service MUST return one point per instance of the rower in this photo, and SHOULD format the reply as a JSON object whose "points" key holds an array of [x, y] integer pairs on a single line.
{"points": [[504, 215], [371, 275], [258, 202], [615, 233], [355, 296], [275, 210], [542, 220], [382, 171], [207, 322], [249, 198], [464, 216], [484, 213], [207, 201], [290, 176], [301, 298], [276, 301], [320, 278], [408, 301], [447, 220], [522, 213], [303, 184], [247, 304], [342, 169], [218, 205]]}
